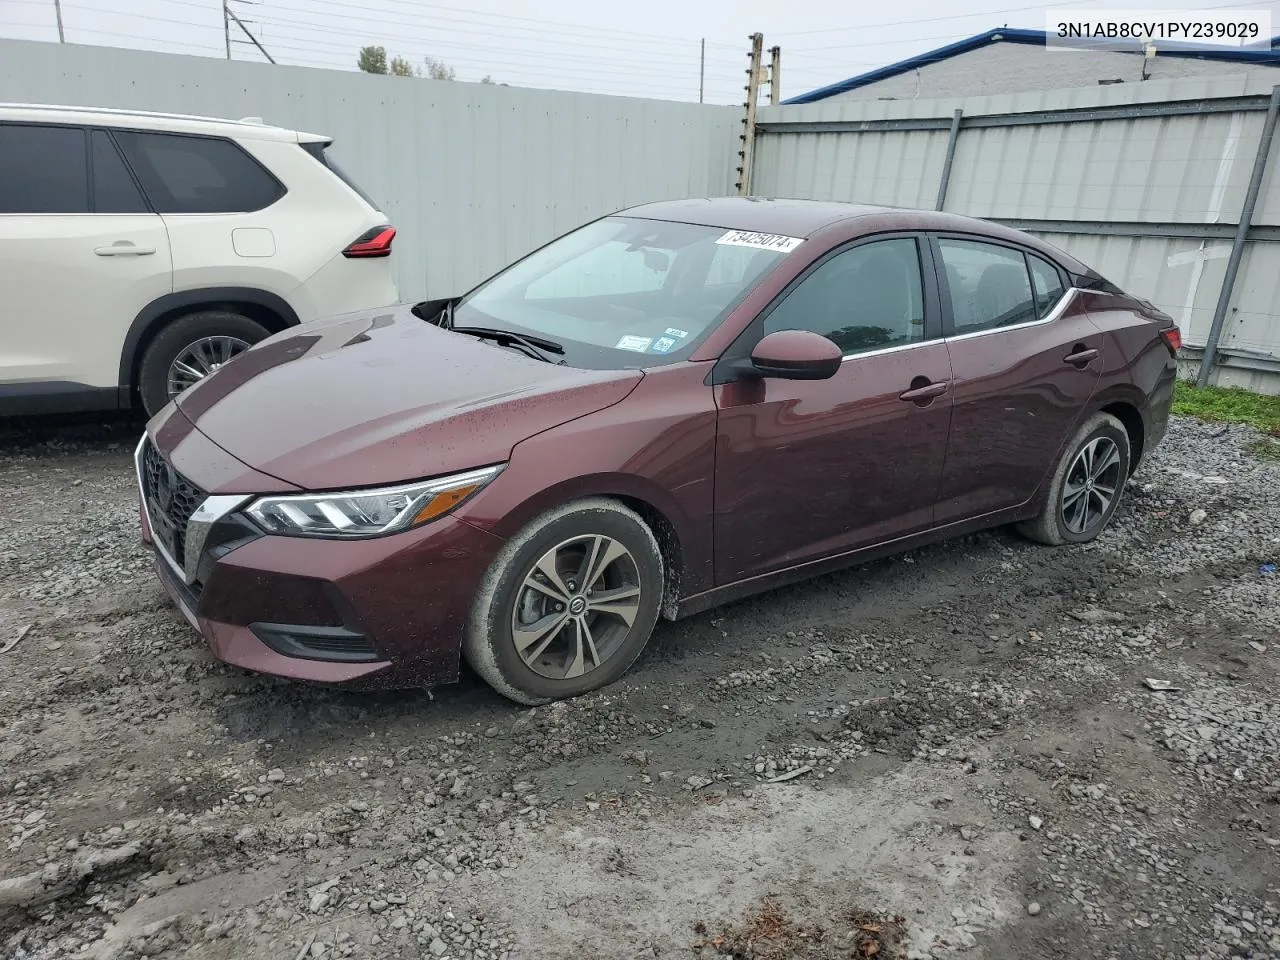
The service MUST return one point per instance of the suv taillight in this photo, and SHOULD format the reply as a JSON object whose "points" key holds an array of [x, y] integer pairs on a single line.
{"points": [[1172, 338], [372, 243]]}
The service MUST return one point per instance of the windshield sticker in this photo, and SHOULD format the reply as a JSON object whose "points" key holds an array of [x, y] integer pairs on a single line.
{"points": [[638, 344], [761, 241], [664, 344], [673, 332]]}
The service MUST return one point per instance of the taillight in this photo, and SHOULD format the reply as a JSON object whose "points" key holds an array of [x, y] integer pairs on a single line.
{"points": [[372, 243], [1172, 338]]}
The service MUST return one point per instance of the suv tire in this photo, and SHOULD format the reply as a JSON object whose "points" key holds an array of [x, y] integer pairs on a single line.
{"points": [[214, 336]]}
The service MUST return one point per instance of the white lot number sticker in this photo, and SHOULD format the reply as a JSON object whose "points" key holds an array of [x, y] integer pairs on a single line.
{"points": [[638, 344], [761, 241]]}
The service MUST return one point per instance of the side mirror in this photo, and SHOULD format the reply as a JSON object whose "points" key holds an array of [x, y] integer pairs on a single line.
{"points": [[796, 355]]}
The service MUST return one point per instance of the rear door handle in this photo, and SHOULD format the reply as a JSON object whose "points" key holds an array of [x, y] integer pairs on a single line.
{"points": [[1080, 357], [124, 248], [926, 392]]}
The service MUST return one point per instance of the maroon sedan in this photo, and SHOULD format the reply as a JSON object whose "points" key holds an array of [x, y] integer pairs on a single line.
{"points": [[663, 410]]}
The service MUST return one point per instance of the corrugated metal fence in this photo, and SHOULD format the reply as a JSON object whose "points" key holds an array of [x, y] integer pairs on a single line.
{"points": [[1146, 182], [473, 175]]}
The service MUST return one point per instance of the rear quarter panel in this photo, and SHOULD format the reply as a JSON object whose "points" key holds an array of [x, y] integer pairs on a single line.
{"points": [[1137, 367]]}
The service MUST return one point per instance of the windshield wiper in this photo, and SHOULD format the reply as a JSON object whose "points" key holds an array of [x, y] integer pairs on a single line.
{"points": [[536, 347]]}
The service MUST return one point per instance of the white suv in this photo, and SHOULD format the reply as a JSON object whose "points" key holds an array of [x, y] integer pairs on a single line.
{"points": [[139, 251]]}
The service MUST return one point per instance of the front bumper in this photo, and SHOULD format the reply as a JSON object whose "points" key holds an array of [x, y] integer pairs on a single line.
{"points": [[387, 612]]}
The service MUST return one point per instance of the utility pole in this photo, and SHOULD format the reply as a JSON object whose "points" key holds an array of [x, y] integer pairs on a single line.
{"points": [[747, 153], [702, 68], [57, 12], [775, 78], [226, 27], [231, 15]]}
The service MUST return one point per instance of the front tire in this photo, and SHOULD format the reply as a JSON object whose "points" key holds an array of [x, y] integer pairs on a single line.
{"points": [[190, 348], [1086, 486], [568, 604]]}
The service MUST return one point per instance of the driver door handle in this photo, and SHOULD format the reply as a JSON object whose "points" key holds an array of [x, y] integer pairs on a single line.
{"points": [[926, 392]]}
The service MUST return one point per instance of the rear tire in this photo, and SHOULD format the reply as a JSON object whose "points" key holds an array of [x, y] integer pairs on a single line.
{"points": [[568, 604], [1087, 485], [206, 339]]}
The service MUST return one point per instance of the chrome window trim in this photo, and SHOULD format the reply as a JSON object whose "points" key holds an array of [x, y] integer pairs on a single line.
{"points": [[1058, 310], [894, 349]]}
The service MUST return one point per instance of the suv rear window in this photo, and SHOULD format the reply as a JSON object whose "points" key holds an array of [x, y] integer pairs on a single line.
{"points": [[320, 151], [191, 174]]}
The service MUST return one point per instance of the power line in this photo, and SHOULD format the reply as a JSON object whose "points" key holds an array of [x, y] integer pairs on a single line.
{"points": [[913, 22], [439, 42]]}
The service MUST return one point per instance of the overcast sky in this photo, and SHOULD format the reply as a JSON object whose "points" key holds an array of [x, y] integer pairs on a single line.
{"points": [[649, 48]]}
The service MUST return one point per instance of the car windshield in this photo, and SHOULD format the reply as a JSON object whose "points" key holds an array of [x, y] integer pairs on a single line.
{"points": [[622, 287]]}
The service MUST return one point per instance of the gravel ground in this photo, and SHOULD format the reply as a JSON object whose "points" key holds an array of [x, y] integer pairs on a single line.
{"points": [[951, 753]]}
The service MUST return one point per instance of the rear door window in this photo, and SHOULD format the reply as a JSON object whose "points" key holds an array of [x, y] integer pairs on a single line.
{"points": [[43, 169], [188, 174], [989, 285]]}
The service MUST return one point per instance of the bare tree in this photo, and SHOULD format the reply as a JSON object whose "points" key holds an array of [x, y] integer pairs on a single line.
{"points": [[439, 70]]}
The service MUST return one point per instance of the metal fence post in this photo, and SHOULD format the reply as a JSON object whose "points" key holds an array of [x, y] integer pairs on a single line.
{"points": [[1237, 244], [951, 155]]}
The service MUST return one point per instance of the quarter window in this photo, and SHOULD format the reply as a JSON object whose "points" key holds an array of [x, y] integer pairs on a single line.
{"points": [[186, 174], [989, 285], [1048, 283], [865, 298], [43, 169]]}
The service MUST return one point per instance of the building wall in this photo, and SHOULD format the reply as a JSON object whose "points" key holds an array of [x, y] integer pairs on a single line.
{"points": [[472, 175], [1005, 67]]}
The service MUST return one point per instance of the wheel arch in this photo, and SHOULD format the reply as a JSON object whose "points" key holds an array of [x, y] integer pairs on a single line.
{"points": [[646, 499], [1126, 406], [261, 306]]}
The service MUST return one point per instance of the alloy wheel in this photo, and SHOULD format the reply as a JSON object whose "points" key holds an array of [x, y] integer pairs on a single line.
{"points": [[575, 607], [1091, 485], [197, 360]]}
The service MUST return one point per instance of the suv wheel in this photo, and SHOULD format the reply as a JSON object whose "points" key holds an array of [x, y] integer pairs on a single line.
{"points": [[189, 349], [568, 604]]}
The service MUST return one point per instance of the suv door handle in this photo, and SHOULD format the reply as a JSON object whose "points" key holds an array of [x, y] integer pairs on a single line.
{"points": [[1081, 357], [124, 248], [924, 392]]}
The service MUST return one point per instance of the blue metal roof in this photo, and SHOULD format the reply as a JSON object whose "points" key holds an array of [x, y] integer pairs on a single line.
{"points": [[1260, 55]]}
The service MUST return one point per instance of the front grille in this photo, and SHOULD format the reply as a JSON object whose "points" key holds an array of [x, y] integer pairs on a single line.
{"points": [[171, 500]]}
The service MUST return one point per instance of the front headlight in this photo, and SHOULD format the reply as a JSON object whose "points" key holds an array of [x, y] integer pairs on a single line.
{"points": [[367, 513]]}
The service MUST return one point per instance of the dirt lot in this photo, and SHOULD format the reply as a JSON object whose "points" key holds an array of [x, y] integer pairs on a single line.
{"points": [[978, 768]]}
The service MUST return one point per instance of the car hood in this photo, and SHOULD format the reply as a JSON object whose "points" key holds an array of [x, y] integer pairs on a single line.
{"points": [[382, 397]]}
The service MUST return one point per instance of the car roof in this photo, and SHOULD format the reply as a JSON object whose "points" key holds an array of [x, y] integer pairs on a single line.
{"points": [[791, 218], [804, 218], [246, 129]]}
